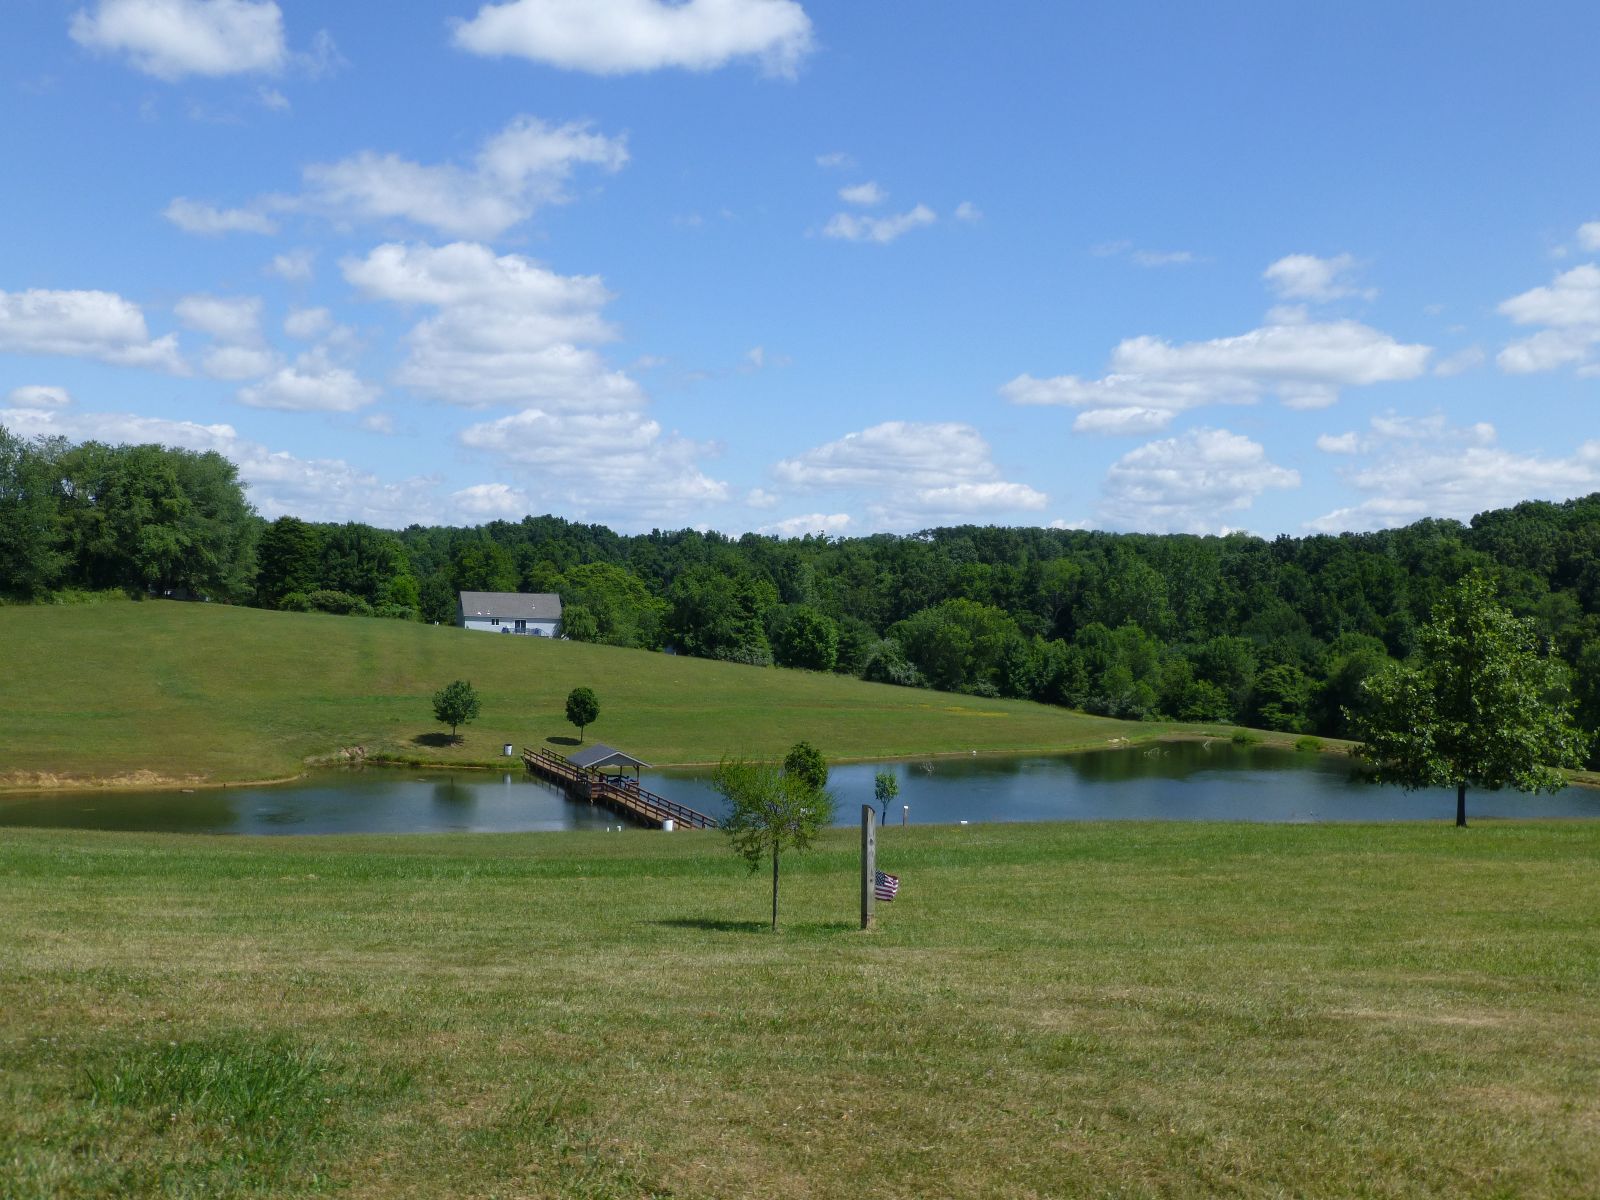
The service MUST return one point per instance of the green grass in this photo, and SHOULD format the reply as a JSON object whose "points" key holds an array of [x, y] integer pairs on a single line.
{"points": [[158, 691], [1048, 1010]]}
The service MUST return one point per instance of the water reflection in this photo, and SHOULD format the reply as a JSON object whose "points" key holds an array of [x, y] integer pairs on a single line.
{"points": [[1183, 781], [1176, 781]]}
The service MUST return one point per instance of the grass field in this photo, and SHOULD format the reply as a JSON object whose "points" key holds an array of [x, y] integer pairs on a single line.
{"points": [[159, 691], [1048, 1010]]}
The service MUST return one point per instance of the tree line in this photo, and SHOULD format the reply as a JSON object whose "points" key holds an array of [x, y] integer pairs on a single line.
{"points": [[1275, 633]]}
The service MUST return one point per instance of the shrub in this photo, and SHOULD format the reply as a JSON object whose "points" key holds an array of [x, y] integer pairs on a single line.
{"points": [[89, 596], [1243, 737], [1308, 744], [343, 603], [397, 612]]}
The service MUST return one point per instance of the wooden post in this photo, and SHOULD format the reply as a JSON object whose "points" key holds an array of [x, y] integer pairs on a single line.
{"points": [[869, 865]]}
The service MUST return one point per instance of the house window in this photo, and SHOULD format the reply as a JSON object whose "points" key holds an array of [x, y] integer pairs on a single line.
{"points": [[494, 620], [522, 627]]}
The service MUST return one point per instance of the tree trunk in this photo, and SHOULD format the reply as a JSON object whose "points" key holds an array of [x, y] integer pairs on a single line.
{"points": [[774, 889], [1461, 805]]}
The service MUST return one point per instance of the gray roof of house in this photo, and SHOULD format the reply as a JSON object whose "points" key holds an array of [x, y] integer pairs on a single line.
{"points": [[512, 606], [602, 755]]}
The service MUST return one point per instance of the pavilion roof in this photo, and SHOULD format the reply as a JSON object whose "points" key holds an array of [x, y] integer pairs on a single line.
{"points": [[601, 755]]}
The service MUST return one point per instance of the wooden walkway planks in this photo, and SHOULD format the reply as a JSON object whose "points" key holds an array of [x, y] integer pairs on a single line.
{"points": [[621, 796]]}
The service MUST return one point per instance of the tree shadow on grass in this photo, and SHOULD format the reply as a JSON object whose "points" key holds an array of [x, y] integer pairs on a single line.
{"points": [[433, 739], [558, 740], [719, 925]]}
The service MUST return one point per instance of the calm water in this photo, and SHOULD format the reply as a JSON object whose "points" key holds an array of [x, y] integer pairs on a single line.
{"points": [[1184, 781]]}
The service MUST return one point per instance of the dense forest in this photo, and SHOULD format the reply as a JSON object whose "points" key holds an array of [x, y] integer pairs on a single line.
{"points": [[1277, 634]]}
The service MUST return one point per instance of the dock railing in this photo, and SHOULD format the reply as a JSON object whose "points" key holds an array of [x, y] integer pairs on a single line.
{"points": [[623, 796]]}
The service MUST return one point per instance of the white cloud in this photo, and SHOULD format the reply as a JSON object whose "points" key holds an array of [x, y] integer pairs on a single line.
{"points": [[979, 497], [1589, 235], [865, 194], [1396, 427], [1123, 420], [1287, 358], [1570, 309], [852, 227], [612, 37], [1305, 365], [377, 423], [1307, 277], [173, 38], [86, 324], [918, 472], [834, 160], [1340, 443], [277, 483], [311, 385], [526, 165], [238, 362], [1288, 314], [296, 266], [1421, 467], [895, 452], [1460, 362], [39, 396], [191, 216], [1163, 258], [1571, 301], [228, 319], [760, 498], [831, 524], [322, 58], [1122, 248], [1187, 484], [508, 329], [968, 211], [304, 324], [235, 325], [1545, 351], [273, 99], [485, 501], [616, 465]]}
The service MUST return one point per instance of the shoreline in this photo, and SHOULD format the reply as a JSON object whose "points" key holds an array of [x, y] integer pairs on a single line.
{"points": [[46, 783]]}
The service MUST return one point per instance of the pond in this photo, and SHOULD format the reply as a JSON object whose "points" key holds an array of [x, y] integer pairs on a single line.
{"points": [[1175, 781]]}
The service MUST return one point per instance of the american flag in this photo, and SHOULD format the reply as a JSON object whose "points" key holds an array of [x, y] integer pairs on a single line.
{"points": [[886, 886]]}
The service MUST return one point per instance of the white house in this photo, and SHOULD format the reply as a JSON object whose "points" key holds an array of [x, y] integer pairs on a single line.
{"points": [[535, 614]]}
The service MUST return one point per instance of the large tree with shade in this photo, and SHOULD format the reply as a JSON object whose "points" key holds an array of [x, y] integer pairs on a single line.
{"points": [[1477, 707]]}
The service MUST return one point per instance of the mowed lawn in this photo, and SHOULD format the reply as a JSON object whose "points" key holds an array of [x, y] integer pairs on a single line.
{"points": [[1120, 1010], [144, 692]]}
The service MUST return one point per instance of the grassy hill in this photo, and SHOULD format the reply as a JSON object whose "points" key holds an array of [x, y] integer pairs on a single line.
{"points": [[1179, 1010], [159, 691]]}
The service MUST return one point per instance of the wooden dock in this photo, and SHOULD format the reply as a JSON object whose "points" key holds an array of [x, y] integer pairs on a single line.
{"points": [[623, 796]]}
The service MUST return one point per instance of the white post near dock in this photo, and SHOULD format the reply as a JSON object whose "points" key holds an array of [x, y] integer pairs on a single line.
{"points": [[869, 864]]}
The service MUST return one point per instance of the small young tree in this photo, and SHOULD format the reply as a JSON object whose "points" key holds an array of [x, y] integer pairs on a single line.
{"points": [[583, 708], [1481, 708], [455, 704], [885, 787], [771, 809]]}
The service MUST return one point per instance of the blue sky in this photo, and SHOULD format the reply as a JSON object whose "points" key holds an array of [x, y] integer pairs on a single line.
{"points": [[794, 266]]}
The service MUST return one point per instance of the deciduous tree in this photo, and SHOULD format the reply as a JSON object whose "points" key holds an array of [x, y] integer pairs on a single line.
{"points": [[1479, 709], [455, 704], [583, 708], [770, 809]]}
